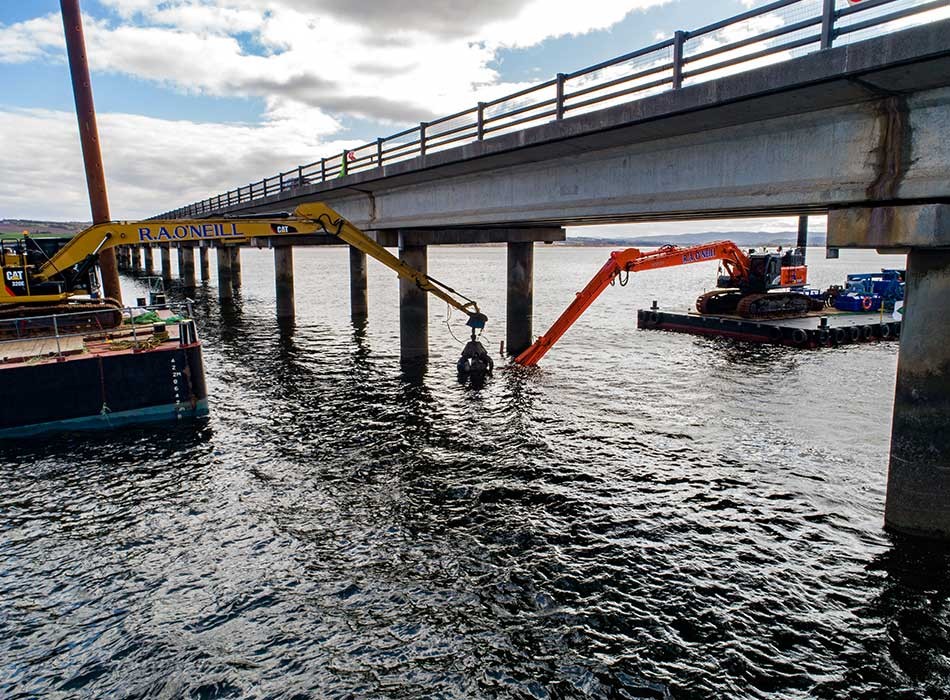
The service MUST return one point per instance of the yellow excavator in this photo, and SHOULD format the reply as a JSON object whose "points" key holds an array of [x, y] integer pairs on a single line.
{"points": [[45, 277]]}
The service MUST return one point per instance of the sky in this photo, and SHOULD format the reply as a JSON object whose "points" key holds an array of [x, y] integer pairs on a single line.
{"points": [[195, 97]]}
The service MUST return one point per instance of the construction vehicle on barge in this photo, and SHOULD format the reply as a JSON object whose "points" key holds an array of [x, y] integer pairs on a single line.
{"points": [[116, 366], [41, 282], [750, 285]]}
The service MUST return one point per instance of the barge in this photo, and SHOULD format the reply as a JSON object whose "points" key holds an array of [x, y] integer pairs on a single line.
{"points": [[826, 328], [148, 370]]}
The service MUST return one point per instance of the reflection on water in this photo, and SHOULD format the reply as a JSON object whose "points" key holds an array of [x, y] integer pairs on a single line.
{"points": [[646, 511]]}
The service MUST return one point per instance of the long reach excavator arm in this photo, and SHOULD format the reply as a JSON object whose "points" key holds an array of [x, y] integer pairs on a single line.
{"points": [[82, 251], [750, 275]]}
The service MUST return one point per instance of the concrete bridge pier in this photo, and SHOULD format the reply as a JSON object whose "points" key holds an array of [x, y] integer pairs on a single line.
{"points": [[918, 483], [225, 286], [284, 280], [413, 303], [235, 253], [166, 255], [186, 259], [359, 307], [136, 259], [203, 264], [520, 296], [413, 306], [149, 260]]}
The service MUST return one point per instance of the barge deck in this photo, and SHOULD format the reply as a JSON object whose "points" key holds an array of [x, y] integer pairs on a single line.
{"points": [[825, 328]]}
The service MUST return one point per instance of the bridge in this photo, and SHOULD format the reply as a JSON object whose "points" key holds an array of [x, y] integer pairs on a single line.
{"points": [[794, 107]]}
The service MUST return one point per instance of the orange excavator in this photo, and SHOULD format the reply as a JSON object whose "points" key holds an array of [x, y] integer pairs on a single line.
{"points": [[752, 285]]}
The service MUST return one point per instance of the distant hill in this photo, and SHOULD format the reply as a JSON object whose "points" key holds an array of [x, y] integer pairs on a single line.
{"points": [[744, 239], [41, 228]]}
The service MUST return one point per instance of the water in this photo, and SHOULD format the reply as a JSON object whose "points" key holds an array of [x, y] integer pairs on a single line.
{"points": [[648, 510]]}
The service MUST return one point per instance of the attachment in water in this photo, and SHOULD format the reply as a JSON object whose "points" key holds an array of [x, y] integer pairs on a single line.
{"points": [[475, 360]]}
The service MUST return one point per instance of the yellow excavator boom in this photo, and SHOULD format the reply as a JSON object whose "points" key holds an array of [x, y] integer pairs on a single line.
{"points": [[313, 218]]}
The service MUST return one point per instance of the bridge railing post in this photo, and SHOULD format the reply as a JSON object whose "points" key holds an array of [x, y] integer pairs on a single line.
{"points": [[480, 123], [323, 170], [379, 151], [422, 138], [679, 38], [827, 23], [559, 105], [299, 175]]}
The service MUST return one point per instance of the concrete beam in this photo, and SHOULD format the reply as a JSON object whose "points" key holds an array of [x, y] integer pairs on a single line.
{"points": [[149, 260], [284, 282], [422, 236], [471, 236], [891, 227], [413, 308]]}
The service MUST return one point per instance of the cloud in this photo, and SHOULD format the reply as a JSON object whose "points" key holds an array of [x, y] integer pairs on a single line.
{"points": [[313, 63], [150, 163], [444, 18]]}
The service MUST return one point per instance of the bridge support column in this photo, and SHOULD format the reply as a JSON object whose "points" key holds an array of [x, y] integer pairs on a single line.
{"points": [[187, 261], [136, 258], [166, 255], [235, 265], [803, 234], [359, 308], [203, 263], [413, 307], [284, 279], [149, 260], [225, 286], [918, 481], [520, 296]]}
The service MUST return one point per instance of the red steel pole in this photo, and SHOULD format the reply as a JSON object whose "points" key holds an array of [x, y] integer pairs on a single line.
{"points": [[89, 137]]}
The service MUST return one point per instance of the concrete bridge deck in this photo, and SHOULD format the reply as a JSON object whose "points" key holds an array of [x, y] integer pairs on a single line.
{"points": [[856, 124]]}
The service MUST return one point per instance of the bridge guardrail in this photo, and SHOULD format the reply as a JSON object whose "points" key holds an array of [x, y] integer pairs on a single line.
{"points": [[771, 33]]}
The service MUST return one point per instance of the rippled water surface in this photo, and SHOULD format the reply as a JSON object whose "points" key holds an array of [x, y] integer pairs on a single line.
{"points": [[648, 511]]}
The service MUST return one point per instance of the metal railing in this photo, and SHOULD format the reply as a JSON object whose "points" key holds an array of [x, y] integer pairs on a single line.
{"points": [[773, 32], [51, 327]]}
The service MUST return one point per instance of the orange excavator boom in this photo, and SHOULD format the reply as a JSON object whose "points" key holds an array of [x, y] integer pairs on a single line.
{"points": [[733, 259]]}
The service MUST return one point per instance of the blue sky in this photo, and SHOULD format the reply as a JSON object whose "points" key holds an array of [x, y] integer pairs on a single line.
{"points": [[198, 96]]}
